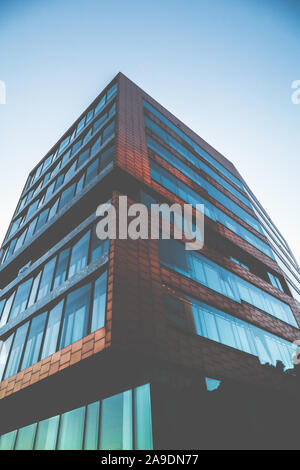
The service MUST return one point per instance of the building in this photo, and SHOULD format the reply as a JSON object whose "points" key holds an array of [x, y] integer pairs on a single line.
{"points": [[141, 344]]}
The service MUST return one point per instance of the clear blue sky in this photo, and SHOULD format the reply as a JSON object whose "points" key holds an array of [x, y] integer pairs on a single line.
{"points": [[225, 68]]}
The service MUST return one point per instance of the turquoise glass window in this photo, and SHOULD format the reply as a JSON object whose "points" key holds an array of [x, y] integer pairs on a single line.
{"points": [[52, 330], [143, 419], [116, 422], [47, 434], [25, 439], [71, 430], [92, 426], [99, 303]]}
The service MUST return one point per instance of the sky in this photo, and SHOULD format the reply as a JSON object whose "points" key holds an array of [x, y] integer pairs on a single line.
{"points": [[225, 68]]}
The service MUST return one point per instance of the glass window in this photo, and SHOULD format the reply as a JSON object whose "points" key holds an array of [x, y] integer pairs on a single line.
{"points": [[92, 426], [47, 434], [42, 219], [107, 157], [34, 341], [67, 196], [108, 131], [99, 304], [32, 208], [47, 277], [53, 210], [143, 419], [20, 241], [100, 105], [87, 136], [71, 430], [31, 229], [96, 146], [76, 316], [16, 351], [99, 122], [76, 146], [70, 172], [21, 298], [80, 184], [6, 309], [92, 171], [52, 331], [59, 181], [116, 422], [49, 192], [7, 441], [4, 352], [83, 157], [2, 303], [99, 247], [80, 125], [89, 116], [34, 289], [61, 268], [79, 255]]}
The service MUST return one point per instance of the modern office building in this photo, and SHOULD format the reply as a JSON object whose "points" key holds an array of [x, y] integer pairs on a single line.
{"points": [[141, 344]]}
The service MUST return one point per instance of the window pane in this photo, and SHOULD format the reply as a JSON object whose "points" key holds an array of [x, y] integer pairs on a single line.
{"points": [[52, 331], [34, 289], [47, 434], [21, 298], [34, 341], [26, 437], [70, 172], [42, 219], [99, 304], [79, 255], [116, 422], [53, 210], [47, 277], [99, 247], [76, 316], [92, 171], [66, 196], [61, 269], [6, 310], [107, 157], [83, 157], [17, 348], [4, 352], [108, 131], [7, 441], [71, 430], [143, 419], [92, 427]]}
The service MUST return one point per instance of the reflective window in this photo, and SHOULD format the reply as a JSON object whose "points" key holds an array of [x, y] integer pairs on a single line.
{"points": [[76, 316], [61, 268], [221, 280], [71, 430], [52, 331], [26, 437], [16, 351], [47, 277], [99, 303], [47, 434], [116, 422], [79, 255], [223, 328], [80, 428], [34, 341], [21, 298]]}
